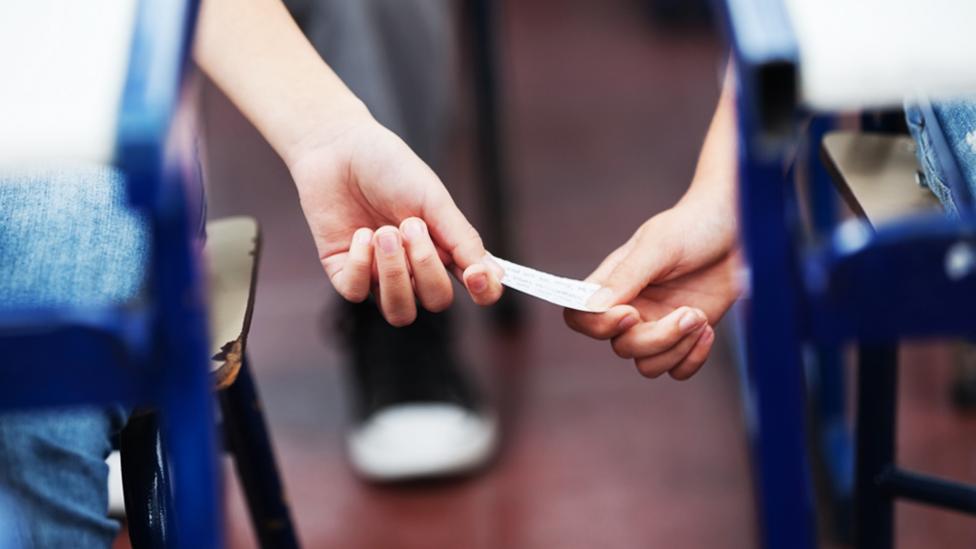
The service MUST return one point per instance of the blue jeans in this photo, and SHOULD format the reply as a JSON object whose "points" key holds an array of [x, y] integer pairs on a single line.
{"points": [[66, 238], [958, 122]]}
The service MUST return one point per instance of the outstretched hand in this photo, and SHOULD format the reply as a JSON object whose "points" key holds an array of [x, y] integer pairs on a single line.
{"points": [[383, 222]]}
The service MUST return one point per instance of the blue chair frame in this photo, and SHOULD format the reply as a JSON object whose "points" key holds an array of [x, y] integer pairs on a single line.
{"points": [[829, 293], [152, 352]]}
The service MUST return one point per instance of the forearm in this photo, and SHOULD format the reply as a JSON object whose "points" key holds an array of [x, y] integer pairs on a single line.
{"points": [[716, 173], [712, 197], [256, 54]]}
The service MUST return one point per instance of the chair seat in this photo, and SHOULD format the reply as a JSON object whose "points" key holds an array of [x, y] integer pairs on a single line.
{"points": [[64, 66], [232, 251], [872, 53], [876, 174]]}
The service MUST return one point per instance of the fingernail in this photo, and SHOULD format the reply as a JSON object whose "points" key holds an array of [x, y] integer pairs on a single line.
{"points": [[708, 335], [363, 236], [689, 321], [413, 229], [627, 323], [601, 299], [478, 283], [388, 241]]}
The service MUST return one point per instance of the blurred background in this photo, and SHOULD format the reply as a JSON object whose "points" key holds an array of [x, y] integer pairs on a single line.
{"points": [[605, 105]]}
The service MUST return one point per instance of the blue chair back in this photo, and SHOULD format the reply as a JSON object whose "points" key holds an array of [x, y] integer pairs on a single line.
{"points": [[152, 351]]}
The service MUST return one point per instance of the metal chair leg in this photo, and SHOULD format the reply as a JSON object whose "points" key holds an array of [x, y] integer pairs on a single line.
{"points": [[145, 481], [776, 410], [876, 433], [247, 436]]}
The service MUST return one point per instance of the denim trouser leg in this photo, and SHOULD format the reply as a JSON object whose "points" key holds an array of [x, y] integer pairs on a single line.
{"points": [[53, 471], [66, 239], [958, 122]]}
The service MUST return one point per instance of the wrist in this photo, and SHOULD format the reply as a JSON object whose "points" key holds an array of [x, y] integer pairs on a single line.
{"points": [[714, 207], [322, 128]]}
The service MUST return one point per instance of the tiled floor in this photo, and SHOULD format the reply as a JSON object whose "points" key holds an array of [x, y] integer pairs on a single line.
{"points": [[605, 117]]}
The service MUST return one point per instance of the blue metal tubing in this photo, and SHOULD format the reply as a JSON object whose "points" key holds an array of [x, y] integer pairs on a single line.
{"points": [[68, 365], [765, 50], [879, 482], [186, 405], [159, 58], [248, 438], [145, 482], [147, 478], [828, 380], [850, 282], [876, 431], [159, 355], [931, 490], [772, 339]]}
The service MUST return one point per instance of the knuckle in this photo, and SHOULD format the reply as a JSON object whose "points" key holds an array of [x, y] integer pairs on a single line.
{"points": [[395, 275], [673, 332], [425, 259], [358, 265], [472, 241], [606, 329], [622, 348], [411, 219]]}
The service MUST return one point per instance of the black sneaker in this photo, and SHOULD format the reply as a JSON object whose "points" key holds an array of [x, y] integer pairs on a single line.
{"points": [[415, 413]]}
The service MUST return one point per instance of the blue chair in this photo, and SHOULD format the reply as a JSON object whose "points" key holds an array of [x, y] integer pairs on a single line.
{"points": [[853, 283], [154, 352], [232, 255]]}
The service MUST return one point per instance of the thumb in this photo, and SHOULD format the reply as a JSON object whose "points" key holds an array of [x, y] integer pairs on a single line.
{"points": [[453, 233], [638, 263]]}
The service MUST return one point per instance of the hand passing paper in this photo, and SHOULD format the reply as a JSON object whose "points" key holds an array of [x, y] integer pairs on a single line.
{"points": [[565, 292]]}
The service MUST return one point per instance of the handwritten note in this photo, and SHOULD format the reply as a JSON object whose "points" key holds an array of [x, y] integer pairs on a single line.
{"points": [[565, 292]]}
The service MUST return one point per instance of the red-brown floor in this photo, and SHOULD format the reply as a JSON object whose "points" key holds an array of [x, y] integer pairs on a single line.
{"points": [[604, 122]]}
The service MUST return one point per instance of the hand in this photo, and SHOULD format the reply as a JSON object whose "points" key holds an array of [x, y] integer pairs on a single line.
{"points": [[666, 287], [383, 221]]}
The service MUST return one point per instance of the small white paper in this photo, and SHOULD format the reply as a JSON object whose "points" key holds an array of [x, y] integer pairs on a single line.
{"points": [[565, 292]]}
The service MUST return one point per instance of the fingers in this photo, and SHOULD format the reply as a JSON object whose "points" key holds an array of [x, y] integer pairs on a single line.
{"points": [[401, 266], [395, 288], [432, 284], [351, 275], [677, 344], [482, 283], [602, 325], [655, 365], [610, 263], [699, 353], [642, 262], [452, 231], [652, 338]]}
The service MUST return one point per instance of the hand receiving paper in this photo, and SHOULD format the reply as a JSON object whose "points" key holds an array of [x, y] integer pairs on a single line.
{"points": [[666, 287]]}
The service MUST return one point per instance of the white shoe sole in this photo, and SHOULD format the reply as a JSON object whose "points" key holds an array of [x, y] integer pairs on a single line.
{"points": [[421, 440]]}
